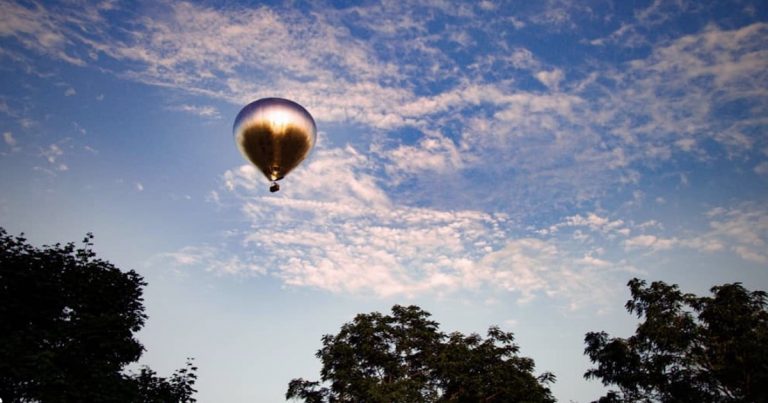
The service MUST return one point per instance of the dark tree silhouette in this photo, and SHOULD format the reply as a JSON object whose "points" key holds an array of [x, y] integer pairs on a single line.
{"points": [[403, 357], [67, 324], [686, 348]]}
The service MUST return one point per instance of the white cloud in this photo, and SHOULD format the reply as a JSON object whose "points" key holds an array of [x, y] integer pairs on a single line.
{"points": [[70, 92], [354, 239], [27, 123], [204, 111], [213, 197], [210, 258], [594, 222], [523, 265], [80, 129], [625, 35], [676, 91], [533, 267], [686, 144], [199, 48], [487, 5], [762, 168], [434, 153], [189, 255], [741, 229], [659, 11], [522, 58], [338, 226], [551, 79], [650, 242], [5, 109], [53, 152], [618, 117], [511, 323], [555, 14], [747, 224], [593, 261], [705, 243], [750, 254], [39, 29], [9, 139], [139, 186]]}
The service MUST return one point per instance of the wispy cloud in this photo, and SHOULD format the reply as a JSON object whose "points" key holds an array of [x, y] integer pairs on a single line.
{"points": [[53, 154], [205, 111], [621, 118], [39, 29], [594, 222], [9, 139], [489, 130], [741, 229], [209, 257], [651, 242], [355, 239], [675, 96], [11, 142], [551, 78], [762, 168]]}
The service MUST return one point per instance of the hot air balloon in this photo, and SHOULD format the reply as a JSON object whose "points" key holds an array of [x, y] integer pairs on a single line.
{"points": [[275, 134]]}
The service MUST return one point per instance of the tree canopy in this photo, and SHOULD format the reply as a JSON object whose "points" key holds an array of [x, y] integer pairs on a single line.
{"points": [[67, 324], [686, 348], [403, 357]]}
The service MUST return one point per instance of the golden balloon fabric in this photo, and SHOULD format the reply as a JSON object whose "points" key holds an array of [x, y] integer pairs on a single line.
{"points": [[276, 135]]}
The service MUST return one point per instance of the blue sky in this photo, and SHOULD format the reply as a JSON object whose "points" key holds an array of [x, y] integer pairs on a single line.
{"points": [[510, 163]]}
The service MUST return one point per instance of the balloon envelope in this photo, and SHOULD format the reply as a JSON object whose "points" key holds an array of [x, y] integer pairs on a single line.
{"points": [[275, 134]]}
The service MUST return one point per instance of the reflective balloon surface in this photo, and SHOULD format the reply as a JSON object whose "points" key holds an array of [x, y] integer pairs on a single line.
{"points": [[275, 134]]}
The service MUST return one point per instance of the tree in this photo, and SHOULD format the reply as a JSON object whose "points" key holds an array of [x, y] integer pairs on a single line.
{"points": [[151, 388], [686, 348], [67, 324], [403, 357]]}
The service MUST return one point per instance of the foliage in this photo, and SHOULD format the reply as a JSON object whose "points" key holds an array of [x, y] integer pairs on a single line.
{"points": [[687, 348], [67, 324], [403, 357], [151, 388]]}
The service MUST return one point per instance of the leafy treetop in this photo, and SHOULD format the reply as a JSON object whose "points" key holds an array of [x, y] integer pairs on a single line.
{"points": [[686, 348], [67, 325], [403, 357]]}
